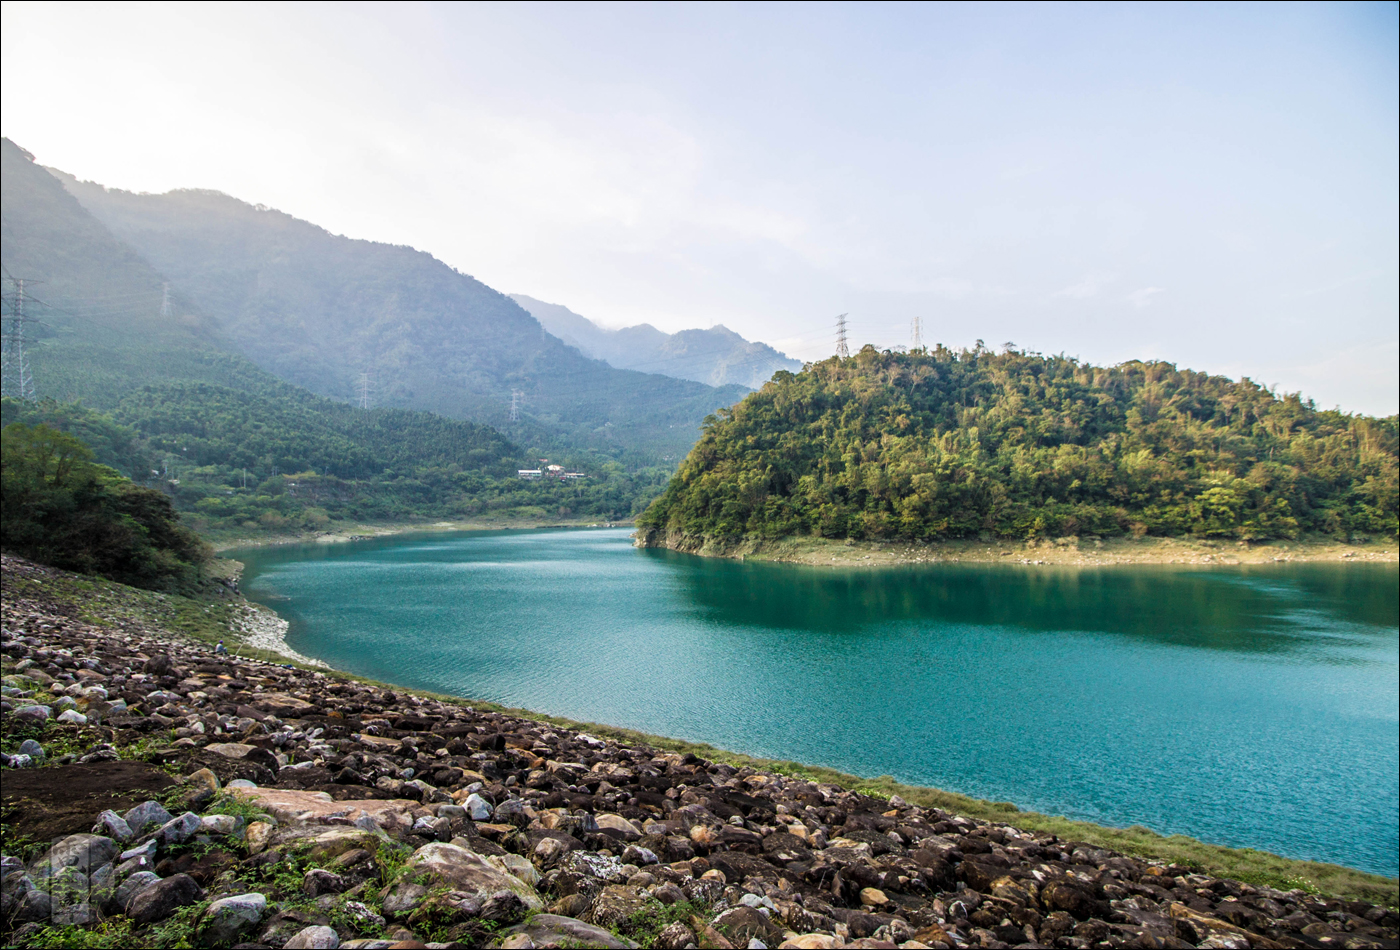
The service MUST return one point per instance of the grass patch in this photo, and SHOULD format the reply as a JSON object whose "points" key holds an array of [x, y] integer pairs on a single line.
{"points": [[114, 932], [646, 924]]}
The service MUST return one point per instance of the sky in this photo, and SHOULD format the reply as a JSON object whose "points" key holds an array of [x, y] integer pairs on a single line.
{"points": [[1212, 185]]}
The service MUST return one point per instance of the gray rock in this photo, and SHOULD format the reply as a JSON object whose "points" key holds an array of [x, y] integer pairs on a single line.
{"points": [[470, 873], [78, 914], [219, 824], [550, 930], [104, 879], [638, 856], [129, 888], [29, 715], [242, 783], [32, 749], [314, 938], [402, 900], [229, 918], [602, 866], [34, 905], [86, 853], [146, 816], [18, 761], [676, 936], [112, 825], [510, 809], [617, 903], [179, 830], [439, 828], [478, 808], [73, 716], [159, 900], [744, 924], [318, 881]]}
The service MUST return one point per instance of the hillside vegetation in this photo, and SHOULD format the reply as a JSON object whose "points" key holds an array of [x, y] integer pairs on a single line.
{"points": [[940, 444], [61, 508]]}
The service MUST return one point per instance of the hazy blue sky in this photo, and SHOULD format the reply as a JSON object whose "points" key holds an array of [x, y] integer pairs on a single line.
{"points": [[1211, 185]]}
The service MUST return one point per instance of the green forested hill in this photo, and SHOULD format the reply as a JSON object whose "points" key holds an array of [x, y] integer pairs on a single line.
{"points": [[319, 310], [60, 508], [941, 444]]}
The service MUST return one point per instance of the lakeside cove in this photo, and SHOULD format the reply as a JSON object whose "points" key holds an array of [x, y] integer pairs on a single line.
{"points": [[551, 829]]}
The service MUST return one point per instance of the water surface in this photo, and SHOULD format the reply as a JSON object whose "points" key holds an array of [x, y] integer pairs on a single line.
{"points": [[1249, 706]]}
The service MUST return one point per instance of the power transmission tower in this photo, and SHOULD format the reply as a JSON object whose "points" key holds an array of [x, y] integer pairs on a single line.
{"points": [[17, 379], [918, 329], [365, 390], [515, 398], [165, 300], [842, 350]]}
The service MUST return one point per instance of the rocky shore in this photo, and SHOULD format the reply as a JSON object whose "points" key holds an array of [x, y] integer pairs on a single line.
{"points": [[1067, 551], [157, 793]]}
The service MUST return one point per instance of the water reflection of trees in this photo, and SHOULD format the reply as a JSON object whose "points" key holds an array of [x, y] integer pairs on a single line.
{"points": [[1251, 610]]}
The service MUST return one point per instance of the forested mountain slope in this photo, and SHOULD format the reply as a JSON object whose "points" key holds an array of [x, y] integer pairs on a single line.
{"points": [[942, 444], [238, 448], [319, 310], [102, 329], [716, 356]]}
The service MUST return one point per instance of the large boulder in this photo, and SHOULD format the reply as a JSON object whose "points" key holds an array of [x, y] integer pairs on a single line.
{"points": [[293, 806], [160, 899], [146, 816], [229, 918], [551, 931], [84, 852], [468, 873]]}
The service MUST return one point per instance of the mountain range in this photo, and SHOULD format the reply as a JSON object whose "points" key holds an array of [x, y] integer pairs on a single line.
{"points": [[717, 356], [221, 278]]}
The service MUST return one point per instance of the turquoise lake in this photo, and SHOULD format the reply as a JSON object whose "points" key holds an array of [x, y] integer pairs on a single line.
{"points": [[1248, 706]]}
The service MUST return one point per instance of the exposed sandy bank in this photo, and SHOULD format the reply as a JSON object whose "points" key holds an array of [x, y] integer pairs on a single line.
{"points": [[1062, 551]]}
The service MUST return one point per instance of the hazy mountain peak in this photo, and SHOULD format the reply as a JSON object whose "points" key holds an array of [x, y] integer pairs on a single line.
{"points": [[716, 355]]}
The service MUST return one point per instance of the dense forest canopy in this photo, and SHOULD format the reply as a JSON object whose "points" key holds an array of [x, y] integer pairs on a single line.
{"points": [[61, 508], [937, 444]]}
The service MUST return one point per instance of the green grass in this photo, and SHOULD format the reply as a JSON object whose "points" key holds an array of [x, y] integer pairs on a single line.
{"points": [[114, 932], [646, 924]]}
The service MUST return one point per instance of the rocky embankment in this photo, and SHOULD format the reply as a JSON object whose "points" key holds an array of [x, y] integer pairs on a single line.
{"points": [[167, 794]]}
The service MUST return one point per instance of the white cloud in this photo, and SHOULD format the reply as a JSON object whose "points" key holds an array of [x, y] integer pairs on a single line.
{"points": [[1142, 297]]}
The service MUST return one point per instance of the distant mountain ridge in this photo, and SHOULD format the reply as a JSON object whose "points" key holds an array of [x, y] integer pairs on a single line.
{"points": [[717, 356], [319, 310]]}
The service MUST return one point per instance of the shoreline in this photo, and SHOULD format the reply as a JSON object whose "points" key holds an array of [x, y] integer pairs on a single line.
{"points": [[1064, 552], [366, 532], [1249, 865]]}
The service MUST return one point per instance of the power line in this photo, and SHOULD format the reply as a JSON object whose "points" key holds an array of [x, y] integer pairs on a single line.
{"points": [[842, 350]]}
